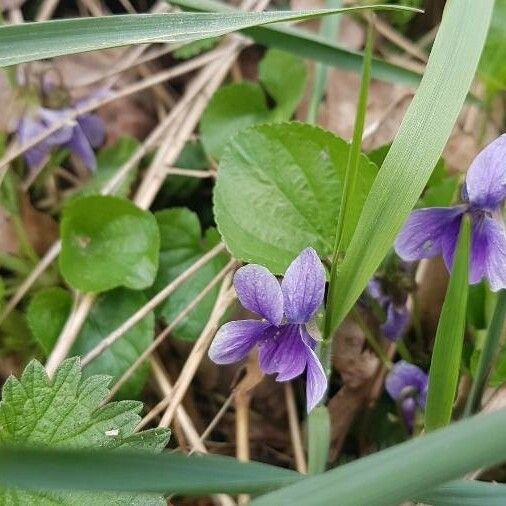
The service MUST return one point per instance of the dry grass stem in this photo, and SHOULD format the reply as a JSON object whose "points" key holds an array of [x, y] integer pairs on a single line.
{"points": [[224, 300], [71, 329], [162, 379], [164, 333], [295, 432], [151, 304]]}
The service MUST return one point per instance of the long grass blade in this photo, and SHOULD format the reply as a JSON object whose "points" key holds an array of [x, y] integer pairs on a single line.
{"points": [[168, 473], [311, 46], [34, 41], [416, 148], [405, 471], [447, 354]]}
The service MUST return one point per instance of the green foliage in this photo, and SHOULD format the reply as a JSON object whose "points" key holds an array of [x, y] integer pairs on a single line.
{"points": [[306, 44], [318, 439], [35, 41], [492, 68], [191, 157], [195, 48], [278, 191], [416, 148], [109, 312], [108, 242], [66, 413], [237, 106], [181, 246], [46, 315], [50, 308], [447, 354], [109, 161]]}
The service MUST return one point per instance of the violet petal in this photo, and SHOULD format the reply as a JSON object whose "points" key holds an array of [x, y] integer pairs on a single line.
{"points": [[449, 239], [283, 352], [405, 375], [496, 253], [93, 127], [52, 116], [423, 230], [397, 322], [303, 287], [259, 291], [316, 379], [28, 129], [80, 146], [234, 340], [486, 178]]}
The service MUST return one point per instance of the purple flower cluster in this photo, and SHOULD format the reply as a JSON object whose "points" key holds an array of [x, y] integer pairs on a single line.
{"points": [[407, 384], [285, 345], [80, 135], [430, 232]]}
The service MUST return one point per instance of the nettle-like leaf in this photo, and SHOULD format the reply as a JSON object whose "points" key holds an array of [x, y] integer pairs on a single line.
{"points": [[279, 189], [49, 309], [237, 106], [68, 413], [182, 245], [108, 242]]}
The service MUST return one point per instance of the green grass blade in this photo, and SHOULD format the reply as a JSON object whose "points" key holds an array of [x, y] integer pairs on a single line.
{"points": [[311, 46], [416, 148], [348, 214], [328, 30], [318, 430], [405, 471], [466, 493], [488, 354], [34, 41], [447, 353], [117, 471]]}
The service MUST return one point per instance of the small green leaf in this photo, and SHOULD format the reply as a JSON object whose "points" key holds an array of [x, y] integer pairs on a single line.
{"points": [[109, 161], [192, 157], [66, 413], [278, 191], [46, 315], [181, 246], [108, 242], [232, 108], [195, 48], [237, 106], [284, 76], [109, 312], [447, 354]]}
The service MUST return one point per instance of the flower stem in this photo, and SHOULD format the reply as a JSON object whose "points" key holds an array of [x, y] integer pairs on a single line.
{"points": [[371, 340], [487, 355]]}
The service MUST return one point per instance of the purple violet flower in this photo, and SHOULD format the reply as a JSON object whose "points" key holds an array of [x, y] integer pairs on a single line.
{"points": [[407, 385], [286, 347], [398, 315], [79, 135], [429, 232]]}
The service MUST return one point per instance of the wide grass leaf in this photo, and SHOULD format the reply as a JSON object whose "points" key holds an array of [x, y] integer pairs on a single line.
{"points": [[416, 148], [406, 471], [278, 191], [447, 353], [108, 242], [34, 41]]}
